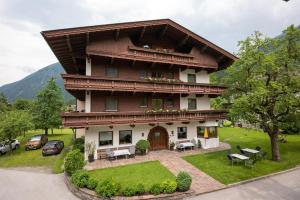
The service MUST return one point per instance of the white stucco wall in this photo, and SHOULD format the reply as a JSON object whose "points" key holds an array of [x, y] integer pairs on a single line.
{"points": [[87, 101], [80, 105], [203, 102], [201, 77], [92, 133]]}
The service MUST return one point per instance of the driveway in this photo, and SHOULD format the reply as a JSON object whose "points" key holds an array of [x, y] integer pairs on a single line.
{"points": [[284, 186], [29, 185]]}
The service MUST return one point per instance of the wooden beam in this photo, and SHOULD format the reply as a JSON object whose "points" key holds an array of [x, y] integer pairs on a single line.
{"points": [[183, 41], [163, 32], [117, 34], [142, 34], [87, 38], [70, 49]]}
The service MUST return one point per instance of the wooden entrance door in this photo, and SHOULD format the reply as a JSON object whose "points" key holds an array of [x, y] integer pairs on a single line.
{"points": [[158, 138]]}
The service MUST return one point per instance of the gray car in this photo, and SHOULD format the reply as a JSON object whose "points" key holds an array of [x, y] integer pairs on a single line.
{"points": [[4, 147]]}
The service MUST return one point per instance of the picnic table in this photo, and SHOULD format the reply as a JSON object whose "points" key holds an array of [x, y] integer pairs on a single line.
{"points": [[121, 152], [182, 146], [251, 151], [240, 157]]}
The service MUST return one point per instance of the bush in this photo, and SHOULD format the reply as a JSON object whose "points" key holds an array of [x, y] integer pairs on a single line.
{"points": [[155, 189], [79, 144], [129, 191], [74, 161], [92, 183], [142, 146], [184, 181], [107, 188], [140, 189], [80, 178], [227, 123], [168, 186]]}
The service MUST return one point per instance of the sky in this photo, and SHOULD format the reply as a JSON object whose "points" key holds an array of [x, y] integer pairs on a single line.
{"points": [[223, 22]]}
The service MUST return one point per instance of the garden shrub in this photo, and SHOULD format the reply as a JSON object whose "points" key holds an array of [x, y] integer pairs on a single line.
{"points": [[142, 146], [140, 189], [155, 189], [227, 123], [79, 144], [80, 178], [168, 186], [129, 191], [107, 188], [184, 181], [74, 161], [92, 183]]}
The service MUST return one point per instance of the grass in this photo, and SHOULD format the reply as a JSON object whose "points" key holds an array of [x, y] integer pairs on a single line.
{"points": [[146, 173], [34, 158], [216, 164]]}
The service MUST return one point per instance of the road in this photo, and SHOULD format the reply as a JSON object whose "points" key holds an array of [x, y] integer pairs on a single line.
{"points": [[284, 186], [29, 185]]}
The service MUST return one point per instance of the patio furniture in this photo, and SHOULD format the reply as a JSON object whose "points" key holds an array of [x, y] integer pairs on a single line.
{"points": [[109, 154], [182, 146], [231, 159], [258, 148], [239, 156], [132, 151], [121, 152], [248, 152], [250, 163]]}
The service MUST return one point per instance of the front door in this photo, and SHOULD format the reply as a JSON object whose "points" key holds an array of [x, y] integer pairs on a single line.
{"points": [[158, 138]]}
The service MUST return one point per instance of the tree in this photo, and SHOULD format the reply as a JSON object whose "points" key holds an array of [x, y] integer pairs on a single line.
{"points": [[13, 123], [48, 106], [264, 83], [4, 105], [23, 104]]}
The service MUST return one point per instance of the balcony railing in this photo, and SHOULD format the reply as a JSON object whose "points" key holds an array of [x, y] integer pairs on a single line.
{"points": [[150, 55], [78, 119], [78, 82]]}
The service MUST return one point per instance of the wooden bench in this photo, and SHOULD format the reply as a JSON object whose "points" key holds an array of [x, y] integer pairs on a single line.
{"points": [[101, 153]]}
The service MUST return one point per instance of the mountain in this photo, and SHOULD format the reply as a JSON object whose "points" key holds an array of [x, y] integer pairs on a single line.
{"points": [[28, 87]]}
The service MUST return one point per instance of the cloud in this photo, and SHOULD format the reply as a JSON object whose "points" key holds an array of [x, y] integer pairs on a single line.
{"points": [[223, 22]]}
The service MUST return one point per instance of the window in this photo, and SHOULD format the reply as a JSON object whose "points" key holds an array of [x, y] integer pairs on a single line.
{"points": [[105, 138], [181, 132], [212, 131], [111, 72], [125, 137], [156, 74], [169, 102], [191, 78], [157, 104], [192, 104], [111, 104], [144, 102], [143, 74], [170, 75]]}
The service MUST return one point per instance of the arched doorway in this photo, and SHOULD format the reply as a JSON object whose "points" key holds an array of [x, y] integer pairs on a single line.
{"points": [[158, 138]]}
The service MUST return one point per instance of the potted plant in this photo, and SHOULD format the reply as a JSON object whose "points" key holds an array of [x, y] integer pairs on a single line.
{"points": [[142, 146], [172, 145], [90, 149]]}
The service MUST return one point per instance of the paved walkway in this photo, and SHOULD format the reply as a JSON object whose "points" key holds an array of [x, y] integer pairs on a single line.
{"points": [[30, 185], [284, 186], [173, 161]]}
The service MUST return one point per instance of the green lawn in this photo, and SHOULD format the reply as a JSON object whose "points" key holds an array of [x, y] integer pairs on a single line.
{"points": [[34, 158], [217, 165], [146, 173]]}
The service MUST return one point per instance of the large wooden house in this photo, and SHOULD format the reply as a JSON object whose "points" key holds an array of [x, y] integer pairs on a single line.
{"points": [[140, 80]]}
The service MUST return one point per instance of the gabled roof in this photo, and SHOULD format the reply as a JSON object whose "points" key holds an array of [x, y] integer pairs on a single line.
{"points": [[69, 44]]}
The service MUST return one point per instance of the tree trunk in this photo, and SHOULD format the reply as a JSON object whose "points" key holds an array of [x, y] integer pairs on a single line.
{"points": [[46, 131], [274, 145]]}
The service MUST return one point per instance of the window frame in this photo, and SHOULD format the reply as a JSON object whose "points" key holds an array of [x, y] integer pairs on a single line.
{"points": [[112, 138], [189, 99], [111, 76], [141, 101], [120, 137], [106, 104], [195, 77], [179, 132], [215, 135]]}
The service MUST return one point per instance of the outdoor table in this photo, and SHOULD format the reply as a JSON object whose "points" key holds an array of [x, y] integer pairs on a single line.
{"points": [[121, 152], [251, 151], [239, 156], [184, 145]]}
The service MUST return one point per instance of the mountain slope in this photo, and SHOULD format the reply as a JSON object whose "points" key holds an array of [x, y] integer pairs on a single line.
{"points": [[28, 87]]}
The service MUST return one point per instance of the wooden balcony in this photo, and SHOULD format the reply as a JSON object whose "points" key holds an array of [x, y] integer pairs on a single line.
{"points": [[79, 119], [79, 82], [155, 56]]}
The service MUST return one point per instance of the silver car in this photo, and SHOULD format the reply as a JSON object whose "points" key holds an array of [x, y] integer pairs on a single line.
{"points": [[4, 147]]}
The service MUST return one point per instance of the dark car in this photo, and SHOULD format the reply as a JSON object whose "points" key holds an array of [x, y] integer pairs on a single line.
{"points": [[36, 142], [53, 147]]}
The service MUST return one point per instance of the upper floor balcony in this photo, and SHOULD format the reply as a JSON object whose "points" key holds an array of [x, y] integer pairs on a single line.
{"points": [[79, 82], [81, 119]]}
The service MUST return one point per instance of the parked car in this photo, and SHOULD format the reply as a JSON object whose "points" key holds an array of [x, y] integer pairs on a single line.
{"points": [[15, 144], [4, 147], [53, 147], [36, 142]]}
